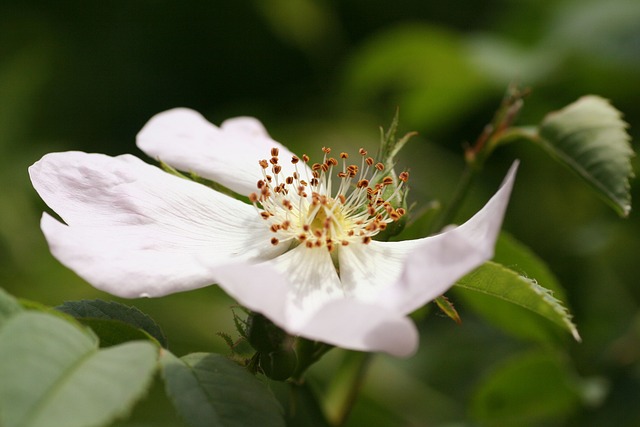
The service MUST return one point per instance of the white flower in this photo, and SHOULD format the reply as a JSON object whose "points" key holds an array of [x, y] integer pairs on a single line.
{"points": [[302, 254]]}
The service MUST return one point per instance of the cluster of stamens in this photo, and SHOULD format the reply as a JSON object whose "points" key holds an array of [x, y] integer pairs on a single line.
{"points": [[303, 207]]}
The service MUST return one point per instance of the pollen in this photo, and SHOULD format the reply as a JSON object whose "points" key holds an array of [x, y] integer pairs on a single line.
{"points": [[327, 204]]}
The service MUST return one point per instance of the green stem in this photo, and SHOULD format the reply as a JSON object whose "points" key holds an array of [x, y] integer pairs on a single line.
{"points": [[308, 352], [345, 387]]}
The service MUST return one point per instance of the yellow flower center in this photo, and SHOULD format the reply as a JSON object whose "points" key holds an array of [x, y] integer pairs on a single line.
{"points": [[303, 208]]}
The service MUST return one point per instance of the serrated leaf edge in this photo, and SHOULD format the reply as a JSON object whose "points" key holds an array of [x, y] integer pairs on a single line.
{"points": [[546, 294]]}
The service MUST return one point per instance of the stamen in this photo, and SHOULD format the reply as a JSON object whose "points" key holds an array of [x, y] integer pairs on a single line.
{"points": [[323, 218]]}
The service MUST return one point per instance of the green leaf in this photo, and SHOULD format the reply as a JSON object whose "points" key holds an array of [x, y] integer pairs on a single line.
{"points": [[515, 255], [494, 280], [54, 375], [448, 308], [590, 137], [9, 306], [526, 390], [113, 332], [209, 390], [513, 319], [114, 322]]}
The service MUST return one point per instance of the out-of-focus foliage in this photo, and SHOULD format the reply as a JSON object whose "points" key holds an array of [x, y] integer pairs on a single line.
{"points": [[87, 75]]}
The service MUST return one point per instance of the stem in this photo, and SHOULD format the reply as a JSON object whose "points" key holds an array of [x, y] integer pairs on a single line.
{"points": [[308, 352], [343, 390], [499, 131]]}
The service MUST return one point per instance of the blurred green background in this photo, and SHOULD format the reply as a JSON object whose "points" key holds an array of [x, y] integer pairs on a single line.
{"points": [[78, 75]]}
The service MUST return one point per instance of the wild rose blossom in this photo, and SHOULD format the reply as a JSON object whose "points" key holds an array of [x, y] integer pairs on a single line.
{"points": [[302, 252]]}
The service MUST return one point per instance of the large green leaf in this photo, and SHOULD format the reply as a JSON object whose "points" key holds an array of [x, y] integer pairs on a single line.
{"points": [[495, 280], [54, 375], [590, 137], [209, 390], [514, 255], [114, 322], [526, 390], [514, 319], [9, 306]]}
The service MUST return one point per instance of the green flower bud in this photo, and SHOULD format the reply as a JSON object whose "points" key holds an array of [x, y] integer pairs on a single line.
{"points": [[264, 335], [279, 365]]}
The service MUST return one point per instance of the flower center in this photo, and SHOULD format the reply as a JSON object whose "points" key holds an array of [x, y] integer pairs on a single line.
{"points": [[305, 208]]}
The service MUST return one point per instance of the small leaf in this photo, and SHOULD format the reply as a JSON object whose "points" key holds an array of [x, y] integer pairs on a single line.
{"points": [[526, 390], [54, 375], [209, 390], [495, 280], [447, 308], [590, 137], [97, 309]]}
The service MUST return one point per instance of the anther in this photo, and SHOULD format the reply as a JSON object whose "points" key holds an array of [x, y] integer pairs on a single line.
{"points": [[344, 155], [369, 161], [305, 158], [274, 241], [326, 150], [274, 151], [366, 240], [379, 166], [362, 152], [295, 159], [404, 176], [264, 164], [362, 183], [253, 197]]}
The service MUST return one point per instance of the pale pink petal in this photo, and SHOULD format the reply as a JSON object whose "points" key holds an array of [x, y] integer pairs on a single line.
{"points": [[313, 281], [360, 326], [134, 230], [228, 154], [365, 270], [346, 323], [436, 262]]}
